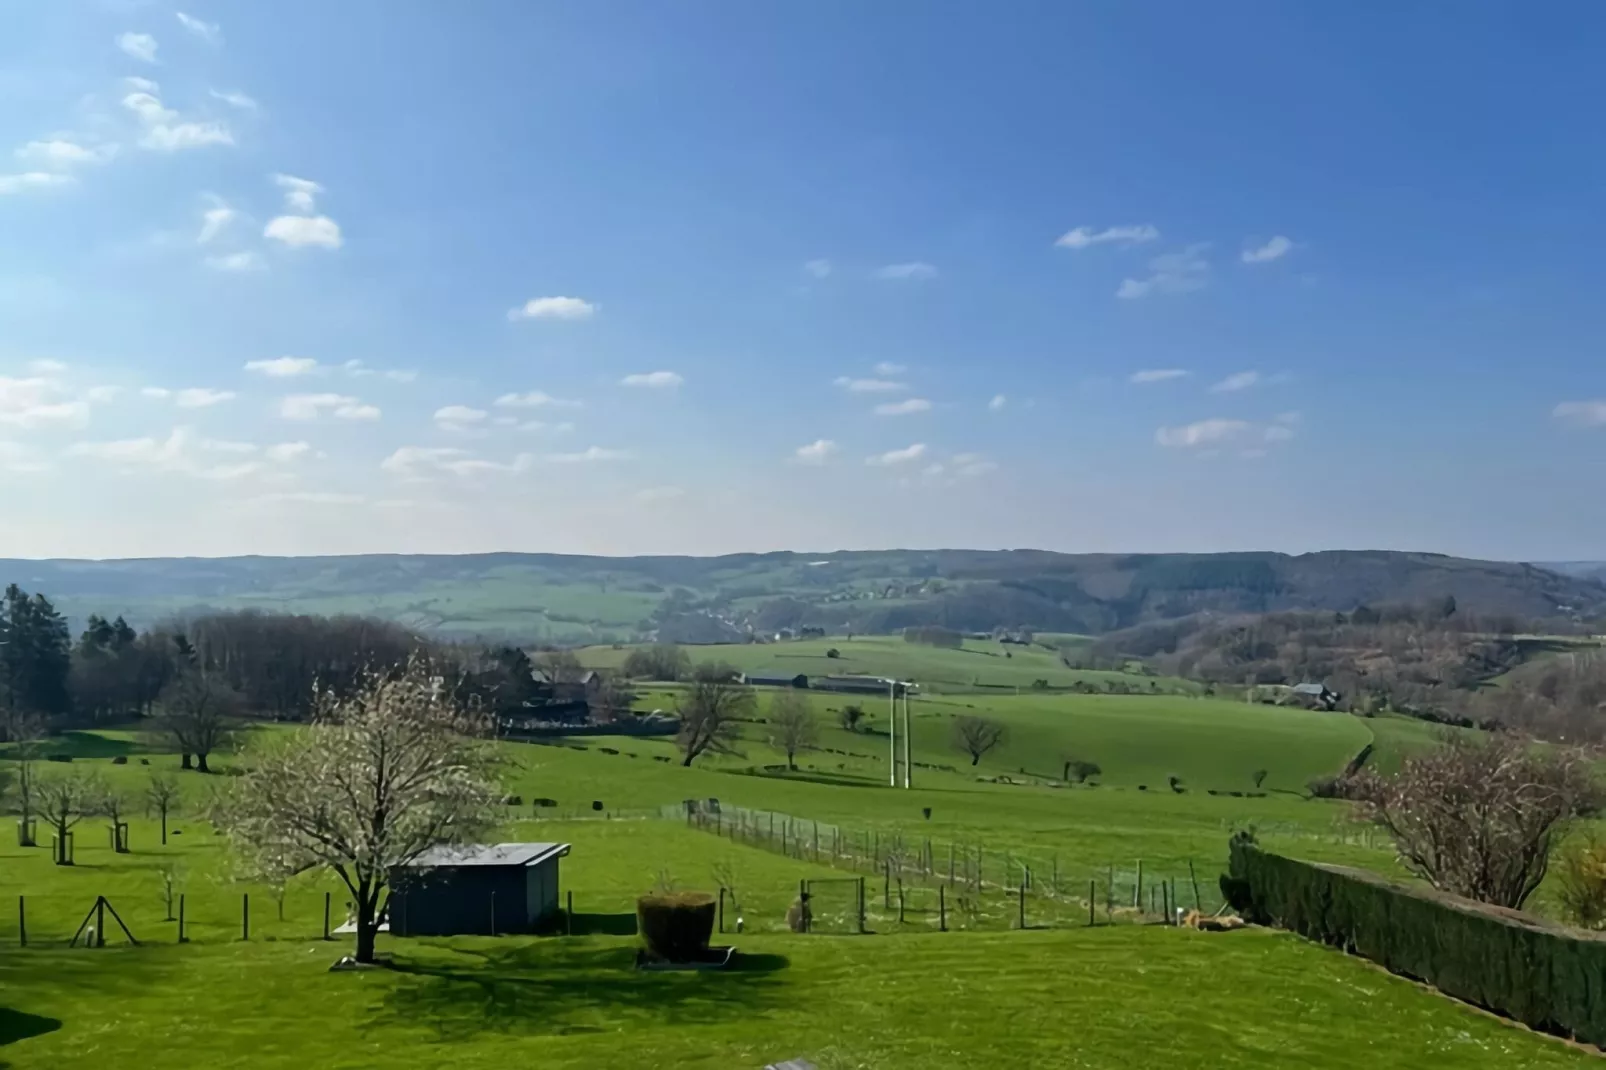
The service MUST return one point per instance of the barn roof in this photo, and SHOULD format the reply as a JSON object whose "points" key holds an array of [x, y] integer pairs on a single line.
{"points": [[489, 854], [1310, 689]]}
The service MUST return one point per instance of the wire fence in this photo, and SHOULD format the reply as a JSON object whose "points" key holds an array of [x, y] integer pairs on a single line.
{"points": [[925, 883]]}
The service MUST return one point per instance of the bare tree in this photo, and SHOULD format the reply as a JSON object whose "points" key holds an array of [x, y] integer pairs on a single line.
{"points": [[66, 799], [709, 711], [386, 772], [113, 806], [195, 711], [560, 666], [611, 700], [851, 716], [792, 726], [1477, 816], [26, 732], [976, 736], [162, 797]]}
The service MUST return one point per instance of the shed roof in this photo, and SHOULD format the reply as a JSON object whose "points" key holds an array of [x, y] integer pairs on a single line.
{"points": [[1310, 689], [489, 854]]}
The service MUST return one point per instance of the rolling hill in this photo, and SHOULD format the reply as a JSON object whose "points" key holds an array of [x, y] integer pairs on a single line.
{"points": [[576, 599]]}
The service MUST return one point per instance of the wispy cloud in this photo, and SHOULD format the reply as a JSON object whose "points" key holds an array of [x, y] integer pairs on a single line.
{"points": [[818, 269], [1275, 249], [893, 458], [180, 452], [653, 380], [1581, 413], [535, 399], [817, 452], [588, 455], [140, 46], [903, 408], [166, 130], [234, 99], [1235, 382], [32, 180], [459, 417], [913, 271], [1157, 375], [1213, 432], [870, 386], [553, 308], [283, 367], [39, 401], [285, 452], [1127, 234], [200, 397], [297, 231], [998, 402], [64, 154], [210, 32], [1170, 273], [972, 464], [213, 220], [300, 194], [886, 367], [243, 261], [314, 406]]}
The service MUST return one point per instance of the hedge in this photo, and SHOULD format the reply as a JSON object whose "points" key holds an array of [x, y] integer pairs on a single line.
{"points": [[1546, 976]]}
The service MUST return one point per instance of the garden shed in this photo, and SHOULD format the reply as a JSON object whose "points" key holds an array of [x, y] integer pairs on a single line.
{"points": [[476, 890]]}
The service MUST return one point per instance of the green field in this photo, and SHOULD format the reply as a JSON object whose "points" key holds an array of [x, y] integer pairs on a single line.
{"points": [[904, 996], [979, 666]]}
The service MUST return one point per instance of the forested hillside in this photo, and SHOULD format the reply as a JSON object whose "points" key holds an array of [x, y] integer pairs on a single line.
{"points": [[570, 599]]}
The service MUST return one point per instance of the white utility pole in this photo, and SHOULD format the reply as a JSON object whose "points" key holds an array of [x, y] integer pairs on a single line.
{"points": [[892, 732], [908, 763]]}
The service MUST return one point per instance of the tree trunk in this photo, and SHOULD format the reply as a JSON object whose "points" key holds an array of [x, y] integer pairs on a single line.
{"points": [[185, 762], [200, 764], [975, 759], [687, 760], [791, 761], [365, 926]]}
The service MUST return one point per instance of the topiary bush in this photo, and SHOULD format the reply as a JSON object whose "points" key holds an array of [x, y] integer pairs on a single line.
{"points": [[676, 925]]}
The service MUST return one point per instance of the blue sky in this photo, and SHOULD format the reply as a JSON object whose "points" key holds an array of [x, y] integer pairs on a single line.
{"points": [[705, 277]]}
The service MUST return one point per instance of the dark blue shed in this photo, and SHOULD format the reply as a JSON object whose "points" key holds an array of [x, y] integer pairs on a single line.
{"points": [[480, 890]]}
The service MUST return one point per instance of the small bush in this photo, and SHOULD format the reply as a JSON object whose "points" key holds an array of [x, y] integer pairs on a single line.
{"points": [[543, 802], [1143, 787], [1329, 787], [512, 800], [58, 757], [1581, 882], [608, 750], [121, 759], [676, 925], [596, 804], [833, 653]]}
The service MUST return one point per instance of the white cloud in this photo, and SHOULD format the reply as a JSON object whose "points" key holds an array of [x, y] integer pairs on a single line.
{"points": [[535, 399], [225, 446], [213, 220], [458, 417], [897, 457], [20, 459], [99, 395], [914, 271], [237, 262], [590, 454], [653, 380], [31, 180], [163, 130], [36, 402], [210, 32], [998, 402], [887, 368], [1128, 234], [972, 464], [1235, 382], [234, 99], [1581, 413], [176, 453], [142, 85], [817, 452], [1275, 249], [141, 46], [1170, 273], [903, 408], [283, 367], [313, 406], [422, 462], [197, 397], [400, 375], [46, 367], [312, 497], [649, 495], [1203, 433], [1278, 433], [536, 425], [284, 452], [819, 269], [553, 308], [299, 193], [62, 154], [870, 386], [155, 391], [298, 230], [1157, 375]]}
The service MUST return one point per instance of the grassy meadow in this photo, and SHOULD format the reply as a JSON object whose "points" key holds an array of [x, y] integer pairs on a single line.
{"points": [[1060, 993]]}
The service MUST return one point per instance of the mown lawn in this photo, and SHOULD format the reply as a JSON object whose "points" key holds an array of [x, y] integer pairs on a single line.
{"points": [[1117, 997]]}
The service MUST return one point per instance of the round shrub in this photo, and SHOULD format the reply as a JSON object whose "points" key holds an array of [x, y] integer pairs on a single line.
{"points": [[676, 925]]}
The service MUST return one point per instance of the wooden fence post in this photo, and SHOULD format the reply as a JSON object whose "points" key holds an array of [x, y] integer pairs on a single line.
{"points": [[181, 937], [22, 921], [1198, 902], [721, 914], [1023, 904], [942, 908], [1137, 890], [568, 915], [1092, 902], [326, 898], [245, 915], [861, 906]]}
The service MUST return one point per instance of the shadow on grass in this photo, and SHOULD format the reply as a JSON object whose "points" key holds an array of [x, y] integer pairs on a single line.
{"points": [[20, 1025], [840, 780], [603, 925], [558, 988]]}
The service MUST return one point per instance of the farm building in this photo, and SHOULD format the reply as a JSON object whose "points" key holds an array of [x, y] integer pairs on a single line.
{"points": [[771, 680], [858, 685], [479, 890], [1316, 695]]}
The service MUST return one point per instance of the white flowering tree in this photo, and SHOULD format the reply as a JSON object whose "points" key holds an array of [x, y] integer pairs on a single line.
{"points": [[380, 776]]}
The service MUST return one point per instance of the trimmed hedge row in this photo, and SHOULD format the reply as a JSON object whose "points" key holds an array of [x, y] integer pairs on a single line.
{"points": [[1545, 976]]}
